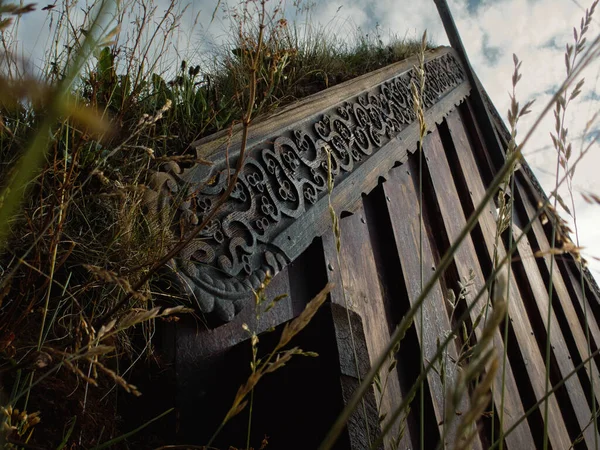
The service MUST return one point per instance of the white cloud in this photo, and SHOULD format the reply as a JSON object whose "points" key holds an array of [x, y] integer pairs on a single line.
{"points": [[537, 32]]}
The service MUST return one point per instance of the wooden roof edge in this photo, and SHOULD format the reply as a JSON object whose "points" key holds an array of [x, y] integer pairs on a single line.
{"points": [[227, 141]]}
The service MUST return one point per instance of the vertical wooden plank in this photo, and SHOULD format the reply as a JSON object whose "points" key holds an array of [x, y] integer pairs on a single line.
{"points": [[484, 160], [466, 260], [351, 338], [564, 364], [557, 430], [568, 269], [397, 304], [404, 212], [576, 327], [491, 140], [538, 285], [359, 290], [573, 277], [525, 203]]}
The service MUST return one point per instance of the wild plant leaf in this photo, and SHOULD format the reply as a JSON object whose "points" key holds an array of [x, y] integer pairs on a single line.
{"points": [[111, 443], [280, 297], [5, 23], [526, 108], [99, 350], [451, 298], [563, 204], [392, 365], [377, 382], [569, 50], [105, 65], [557, 119], [67, 435]]}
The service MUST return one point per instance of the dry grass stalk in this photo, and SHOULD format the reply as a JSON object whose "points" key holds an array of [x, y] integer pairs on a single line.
{"points": [[483, 362], [298, 324], [112, 278], [17, 426]]}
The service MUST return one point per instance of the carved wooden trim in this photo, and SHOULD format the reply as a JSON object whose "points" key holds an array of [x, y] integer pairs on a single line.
{"points": [[280, 203]]}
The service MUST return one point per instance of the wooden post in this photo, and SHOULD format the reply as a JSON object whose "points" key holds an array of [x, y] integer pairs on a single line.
{"points": [[484, 119]]}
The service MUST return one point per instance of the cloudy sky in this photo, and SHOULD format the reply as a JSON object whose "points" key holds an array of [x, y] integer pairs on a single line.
{"points": [[536, 30]]}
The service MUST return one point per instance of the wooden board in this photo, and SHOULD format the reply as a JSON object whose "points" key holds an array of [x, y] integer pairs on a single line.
{"points": [[573, 278], [262, 128], [532, 281], [359, 289], [351, 339], [404, 214], [527, 345], [567, 266], [560, 354], [466, 259]]}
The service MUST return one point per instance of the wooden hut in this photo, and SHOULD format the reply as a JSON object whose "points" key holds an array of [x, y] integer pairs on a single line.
{"points": [[363, 136]]}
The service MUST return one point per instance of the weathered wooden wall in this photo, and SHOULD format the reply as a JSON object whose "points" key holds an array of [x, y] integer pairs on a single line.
{"points": [[377, 278]]}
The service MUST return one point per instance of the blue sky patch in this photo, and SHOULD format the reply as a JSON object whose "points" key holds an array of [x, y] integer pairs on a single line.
{"points": [[490, 53]]}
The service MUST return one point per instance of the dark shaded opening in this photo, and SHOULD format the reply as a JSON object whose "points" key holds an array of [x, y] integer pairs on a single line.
{"points": [[397, 303], [294, 407], [307, 275]]}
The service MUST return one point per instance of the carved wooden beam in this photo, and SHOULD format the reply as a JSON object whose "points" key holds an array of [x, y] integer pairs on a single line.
{"points": [[280, 201]]}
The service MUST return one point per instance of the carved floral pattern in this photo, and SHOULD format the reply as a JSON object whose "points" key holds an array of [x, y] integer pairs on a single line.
{"points": [[280, 180]]}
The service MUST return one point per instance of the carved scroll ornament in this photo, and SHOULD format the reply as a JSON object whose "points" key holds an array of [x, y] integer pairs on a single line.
{"points": [[277, 205]]}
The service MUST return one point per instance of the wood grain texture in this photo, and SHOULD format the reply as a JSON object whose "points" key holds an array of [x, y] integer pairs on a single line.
{"points": [[573, 279], [569, 268], [361, 291], [404, 212], [568, 340], [527, 345], [346, 195], [352, 338], [563, 362], [196, 341], [466, 259], [279, 202]]}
